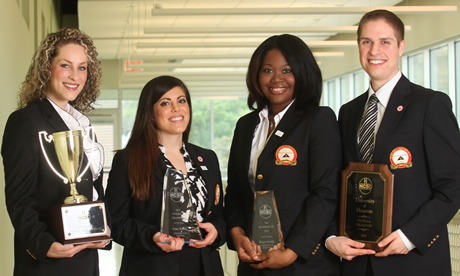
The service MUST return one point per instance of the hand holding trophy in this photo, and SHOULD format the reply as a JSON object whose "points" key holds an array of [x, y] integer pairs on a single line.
{"points": [[77, 221]]}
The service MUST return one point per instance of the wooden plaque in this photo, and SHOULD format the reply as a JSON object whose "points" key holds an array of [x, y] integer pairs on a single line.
{"points": [[366, 208]]}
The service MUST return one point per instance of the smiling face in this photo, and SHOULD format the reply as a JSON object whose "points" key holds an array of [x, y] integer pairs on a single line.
{"points": [[379, 52], [276, 80], [68, 74], [172, 113]]}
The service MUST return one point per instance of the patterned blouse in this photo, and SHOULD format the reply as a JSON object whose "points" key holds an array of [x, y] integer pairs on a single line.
{"points": [[195, 182]]}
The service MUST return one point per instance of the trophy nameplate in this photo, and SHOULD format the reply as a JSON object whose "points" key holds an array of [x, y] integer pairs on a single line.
{"points": [[266, 227], [366, 203], [77, 221], [178, 216]]}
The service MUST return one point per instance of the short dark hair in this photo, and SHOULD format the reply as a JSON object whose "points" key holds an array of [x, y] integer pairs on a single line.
{"points": [[388, 17], [143, 143], [307, 75]]}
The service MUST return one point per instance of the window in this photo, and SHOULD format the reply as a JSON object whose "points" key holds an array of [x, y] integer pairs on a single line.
{"points": [[439, 69], [358, 83], [415, 69], [332, 97], [345, 94]]}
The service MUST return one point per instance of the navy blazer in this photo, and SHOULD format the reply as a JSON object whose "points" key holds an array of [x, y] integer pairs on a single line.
{"points": [[31, 188], [306, 194], [427, 193], [135, 222]]}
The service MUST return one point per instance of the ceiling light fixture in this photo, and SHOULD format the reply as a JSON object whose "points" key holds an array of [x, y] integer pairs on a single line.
{"points": [[302, 11]]}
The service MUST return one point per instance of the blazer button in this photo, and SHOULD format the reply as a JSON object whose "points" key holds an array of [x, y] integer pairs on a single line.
{"points": [[259, 176]]}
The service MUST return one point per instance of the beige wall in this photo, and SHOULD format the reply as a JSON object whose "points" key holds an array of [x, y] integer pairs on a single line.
{"points": [[427, 30], [16, 50]]}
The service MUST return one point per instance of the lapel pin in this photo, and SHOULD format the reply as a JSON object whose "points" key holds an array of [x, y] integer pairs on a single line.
{"points": [[216, 201], [204, 168], [400, 108], [200, 158], [279, 133]]}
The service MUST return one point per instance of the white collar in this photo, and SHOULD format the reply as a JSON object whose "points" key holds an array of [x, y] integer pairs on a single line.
{"points": [[384, 93]]}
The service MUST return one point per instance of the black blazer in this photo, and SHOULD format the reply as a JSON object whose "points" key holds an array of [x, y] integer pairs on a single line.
{"points": [[135, 222], [306, 194], [427, 194], [31, 188]]}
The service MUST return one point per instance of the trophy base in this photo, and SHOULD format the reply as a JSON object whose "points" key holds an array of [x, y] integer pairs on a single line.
{"points": [[79, 223], [75, 199]]}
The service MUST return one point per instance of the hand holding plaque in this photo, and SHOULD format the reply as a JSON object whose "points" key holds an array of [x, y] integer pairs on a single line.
{"points": [[266, 226], [178, 218], [77, 221], [367, 203]]}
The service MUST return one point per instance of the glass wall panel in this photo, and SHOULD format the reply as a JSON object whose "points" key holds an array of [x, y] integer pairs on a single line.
{"points": [[439, 69], [345, 94], [130, 99], [333, 97], [358, 83], [415, 69], [457, 76]]}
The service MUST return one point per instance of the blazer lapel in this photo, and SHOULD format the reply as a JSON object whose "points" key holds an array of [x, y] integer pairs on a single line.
{"points": [[393, 114], [353, 125], [288, 121], [248, 136], [53, 117]]}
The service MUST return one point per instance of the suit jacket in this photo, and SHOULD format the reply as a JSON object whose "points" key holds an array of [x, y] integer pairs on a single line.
{"points": [[31, 188], [306, 193], [426, 194], [135, 222]]}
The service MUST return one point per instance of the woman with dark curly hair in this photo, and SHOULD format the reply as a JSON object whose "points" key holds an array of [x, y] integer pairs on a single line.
{"points": [[62, 82]]}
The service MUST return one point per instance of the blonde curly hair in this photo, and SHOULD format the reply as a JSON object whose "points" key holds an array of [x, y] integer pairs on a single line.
{"points": [[38, 77]]}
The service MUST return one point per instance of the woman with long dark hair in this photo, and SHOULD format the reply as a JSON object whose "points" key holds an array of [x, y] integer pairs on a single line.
{"points": [[159, 141]]}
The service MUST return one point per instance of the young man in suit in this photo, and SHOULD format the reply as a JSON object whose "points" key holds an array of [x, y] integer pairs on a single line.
{"points": [[417, 125]]}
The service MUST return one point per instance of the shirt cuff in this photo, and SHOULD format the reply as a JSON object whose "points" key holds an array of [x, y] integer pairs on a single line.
{"points": [[325, 242], [406, 241]]}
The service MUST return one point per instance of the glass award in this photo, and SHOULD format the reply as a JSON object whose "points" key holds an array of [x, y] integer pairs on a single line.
{"points": [[178, 217], [266, 226], [367, 203]]}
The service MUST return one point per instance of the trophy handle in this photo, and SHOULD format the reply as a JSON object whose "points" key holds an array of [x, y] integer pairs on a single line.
{"points": [[85, 134], [49, 138]]}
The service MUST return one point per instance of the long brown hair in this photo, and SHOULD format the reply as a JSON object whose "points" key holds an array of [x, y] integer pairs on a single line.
{"points": [[38, 77], [143, 143]]}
